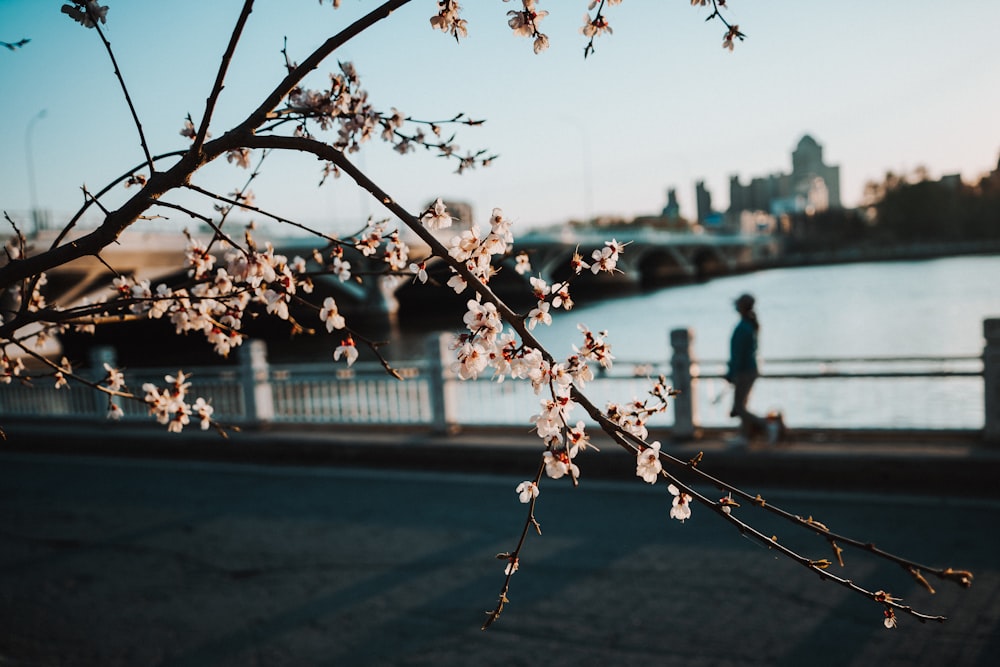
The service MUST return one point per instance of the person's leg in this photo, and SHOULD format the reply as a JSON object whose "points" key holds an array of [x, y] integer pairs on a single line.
{"points": [[749, 422], [741, 394]]}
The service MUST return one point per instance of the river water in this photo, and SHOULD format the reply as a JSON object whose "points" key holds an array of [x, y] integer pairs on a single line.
{"points": [[906, 308], [929, 307], [924, 308]]}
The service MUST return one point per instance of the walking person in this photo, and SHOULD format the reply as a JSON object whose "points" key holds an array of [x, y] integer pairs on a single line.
{"points": [[743, 372]]}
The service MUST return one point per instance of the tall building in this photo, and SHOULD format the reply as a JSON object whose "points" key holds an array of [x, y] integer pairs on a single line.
{"points": [[703, 201], [672, 210], [811, 186]]}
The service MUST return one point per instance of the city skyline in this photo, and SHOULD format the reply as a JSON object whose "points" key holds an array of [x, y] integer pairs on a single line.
{"points": [[660, 104]]}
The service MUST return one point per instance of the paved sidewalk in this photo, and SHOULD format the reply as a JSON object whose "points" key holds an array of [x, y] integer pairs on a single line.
{"points": [[115, 562]]}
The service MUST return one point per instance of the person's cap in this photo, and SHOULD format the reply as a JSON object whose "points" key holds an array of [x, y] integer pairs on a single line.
{"points": [[745, 301]]}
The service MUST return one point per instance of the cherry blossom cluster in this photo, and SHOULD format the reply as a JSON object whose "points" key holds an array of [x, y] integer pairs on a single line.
{"points": [[337, 265], [633, 416], [448, 19], [376, 237], [169, 405], [217, 302], [487, 346], [649, 467], [10, 369], [732, 30], [596, 25], [524, 23], [188, 129], [344, 107], [888, 613], [35, 300], [224, 281], [62, 372], [113, 385], [471, 247], [37, 306]]}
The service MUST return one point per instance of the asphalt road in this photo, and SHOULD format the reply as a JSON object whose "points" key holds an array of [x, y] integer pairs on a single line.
{"points": [[110, 562]]}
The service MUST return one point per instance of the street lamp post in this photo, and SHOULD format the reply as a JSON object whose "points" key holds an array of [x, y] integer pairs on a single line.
{"points": [[29, 157]]}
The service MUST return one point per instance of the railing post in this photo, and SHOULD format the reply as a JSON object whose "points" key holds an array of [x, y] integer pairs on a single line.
{"points": [[685, 403], [439, 378], [98, 356], [255, 379], [991, 379]]}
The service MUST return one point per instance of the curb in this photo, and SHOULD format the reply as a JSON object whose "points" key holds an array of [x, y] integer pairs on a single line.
{"points": [[894, 462]]}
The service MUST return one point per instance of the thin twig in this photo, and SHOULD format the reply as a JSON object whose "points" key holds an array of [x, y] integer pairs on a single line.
{"points": [[220, 77], [128, 98], [256, 209]]}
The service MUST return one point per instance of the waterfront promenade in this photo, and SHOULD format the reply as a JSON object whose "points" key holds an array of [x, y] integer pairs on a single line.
{"points": [[337, 548]]}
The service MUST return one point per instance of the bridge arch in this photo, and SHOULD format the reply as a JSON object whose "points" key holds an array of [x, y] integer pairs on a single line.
{"points": [[662, 266]]}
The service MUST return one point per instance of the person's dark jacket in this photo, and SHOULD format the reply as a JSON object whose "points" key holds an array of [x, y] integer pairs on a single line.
{"points": [[743, 350]]}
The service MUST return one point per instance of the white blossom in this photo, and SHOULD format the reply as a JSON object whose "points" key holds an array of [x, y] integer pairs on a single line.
{"points": [[526, 491], [457, 283], [330, 315], [10, 369], [647, 463], [681, 508], [348, 350], [204, 411], [465, 244], [539, 314], [550, 420], [482, 319], [115, 379], [436, 217], [472, 359], [447, 20], [419, 271], [558, 465], [241, 156]]}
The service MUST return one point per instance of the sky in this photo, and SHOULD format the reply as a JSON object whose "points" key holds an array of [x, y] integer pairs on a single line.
{"points": [[887, 85]]}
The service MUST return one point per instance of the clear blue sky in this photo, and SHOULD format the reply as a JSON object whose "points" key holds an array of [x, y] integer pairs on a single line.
{"points": [[881, 85]]}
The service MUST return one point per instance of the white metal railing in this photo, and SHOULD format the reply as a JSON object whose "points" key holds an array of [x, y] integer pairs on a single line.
{"points": [[363, 394], [960, 393]]}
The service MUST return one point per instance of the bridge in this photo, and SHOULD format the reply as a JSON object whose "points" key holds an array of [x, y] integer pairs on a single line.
{"points": [[652, 258]]}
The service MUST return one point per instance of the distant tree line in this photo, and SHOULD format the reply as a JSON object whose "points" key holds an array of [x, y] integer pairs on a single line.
{"points": [[903, 210]]}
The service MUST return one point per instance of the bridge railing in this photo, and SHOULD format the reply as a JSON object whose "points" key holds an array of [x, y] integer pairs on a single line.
{"points": [[904, 392]]}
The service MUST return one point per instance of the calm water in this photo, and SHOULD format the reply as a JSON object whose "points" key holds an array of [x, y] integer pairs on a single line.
{"points": [[915, 308], [931, 307]]}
